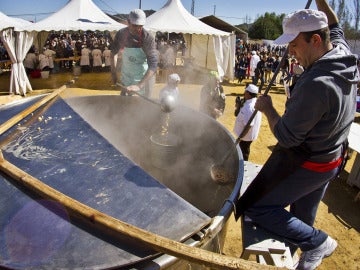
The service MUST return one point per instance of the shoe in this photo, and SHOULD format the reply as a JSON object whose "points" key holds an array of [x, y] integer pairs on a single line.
{"points": [[311, 259]]}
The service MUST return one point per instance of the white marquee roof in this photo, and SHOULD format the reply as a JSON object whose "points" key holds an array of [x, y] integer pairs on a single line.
{"points": [[9, 22], [77, 15], [173, 17]]}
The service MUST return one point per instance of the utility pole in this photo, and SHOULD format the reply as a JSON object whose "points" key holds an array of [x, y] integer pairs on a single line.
{"points": [[214, 10], [193, 7], [140, 4]]}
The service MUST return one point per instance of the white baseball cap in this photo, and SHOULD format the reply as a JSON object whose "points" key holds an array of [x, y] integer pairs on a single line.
{"points": [[137, 17], [174, 78], [305, 20], [251, 88]]}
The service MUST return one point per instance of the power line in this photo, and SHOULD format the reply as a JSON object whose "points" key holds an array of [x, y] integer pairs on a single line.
{"points": [[244, 19], [106, 4], [29, 14]]}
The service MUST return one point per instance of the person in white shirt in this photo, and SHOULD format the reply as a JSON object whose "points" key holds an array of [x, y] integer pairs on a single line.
{"points": [[246, 110]]}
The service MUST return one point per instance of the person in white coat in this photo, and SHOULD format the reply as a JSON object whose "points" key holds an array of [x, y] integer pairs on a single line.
{"points": [[97, 58], [31, 61], [50, 54], [246, 110], [44, 63], [255, 59], [85, 59], [107, 61]]}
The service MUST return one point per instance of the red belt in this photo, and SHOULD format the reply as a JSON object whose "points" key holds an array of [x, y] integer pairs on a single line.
{"points": [[322, 167]]}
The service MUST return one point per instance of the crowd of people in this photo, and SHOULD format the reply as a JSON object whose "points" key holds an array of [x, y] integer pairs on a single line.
{"points": [[259, 63], [89, 50]]}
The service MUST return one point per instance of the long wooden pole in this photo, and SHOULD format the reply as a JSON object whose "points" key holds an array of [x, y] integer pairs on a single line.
{"points": [[17, 118], [117, 229]]}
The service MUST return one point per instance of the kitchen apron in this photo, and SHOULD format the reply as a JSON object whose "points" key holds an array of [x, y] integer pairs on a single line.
{"points": [[133, 67]]}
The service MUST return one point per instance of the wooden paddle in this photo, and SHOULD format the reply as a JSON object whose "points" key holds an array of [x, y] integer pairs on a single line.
{"points": [[17, 118], [117, 229]]}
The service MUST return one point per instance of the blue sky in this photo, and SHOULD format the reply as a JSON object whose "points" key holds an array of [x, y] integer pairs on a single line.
{"points": [[232, 11]]}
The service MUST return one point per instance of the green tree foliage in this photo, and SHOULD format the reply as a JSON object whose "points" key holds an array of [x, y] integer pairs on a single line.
{"points": [[267, 26]]}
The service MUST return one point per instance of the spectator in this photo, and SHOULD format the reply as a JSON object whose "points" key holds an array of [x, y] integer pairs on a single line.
{"points": [[31, 61], [260, 72], [97, 58], [253, 63], [241, 67], [50, 54], [85, 59], [268, 67], [107, 61]]}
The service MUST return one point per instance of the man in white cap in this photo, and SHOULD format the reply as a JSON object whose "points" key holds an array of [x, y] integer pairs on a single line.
{"points": [[311, 134], [243, 116], [136, 56]]}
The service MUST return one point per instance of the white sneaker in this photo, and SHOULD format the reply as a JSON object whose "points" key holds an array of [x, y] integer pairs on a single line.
{"points": [[311, 259]]}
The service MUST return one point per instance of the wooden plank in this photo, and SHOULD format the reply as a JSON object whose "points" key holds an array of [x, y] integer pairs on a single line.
{"points": [[17, 118], [354, 137], [354, 143], [354, 175], [117, 229]]}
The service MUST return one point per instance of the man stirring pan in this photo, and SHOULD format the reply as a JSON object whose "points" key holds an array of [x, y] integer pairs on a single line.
{"points": [[315, 126], [136, 56]]}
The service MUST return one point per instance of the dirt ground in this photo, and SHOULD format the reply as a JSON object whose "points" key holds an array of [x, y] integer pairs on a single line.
{"points": [[338, 214]]}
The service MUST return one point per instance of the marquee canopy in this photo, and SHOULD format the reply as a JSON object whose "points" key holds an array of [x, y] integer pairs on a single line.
{"points": [[209, 47], [9, 22], [18, 35], [17, 45], [174, 18], [77, 15]]}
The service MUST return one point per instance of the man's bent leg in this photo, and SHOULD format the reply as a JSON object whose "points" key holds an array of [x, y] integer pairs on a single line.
{"points": [[270, 212]]}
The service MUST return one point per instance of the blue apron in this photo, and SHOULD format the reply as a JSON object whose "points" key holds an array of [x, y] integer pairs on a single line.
{"points": [[133, 67]]}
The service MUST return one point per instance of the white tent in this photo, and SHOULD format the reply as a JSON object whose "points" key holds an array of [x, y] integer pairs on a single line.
{"points": [[17, 45], [8, 22], [77, 15], [209, 47], [74, 16]]}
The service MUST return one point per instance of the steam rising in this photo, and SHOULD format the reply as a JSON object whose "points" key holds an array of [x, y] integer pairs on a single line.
{"points": [[131, 123]]}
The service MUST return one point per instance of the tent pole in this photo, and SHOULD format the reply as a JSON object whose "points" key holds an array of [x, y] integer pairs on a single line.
{"points": [[207, 52]]}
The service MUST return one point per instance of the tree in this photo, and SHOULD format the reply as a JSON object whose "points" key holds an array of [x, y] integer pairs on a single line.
{"points": [[268, 26], [356, 14], [332, 4], [343, 13], [346, 17]]}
